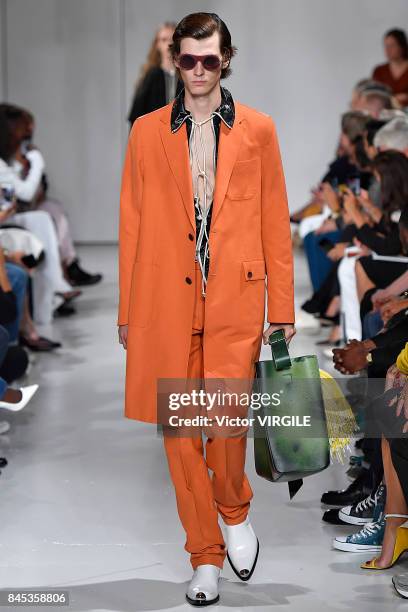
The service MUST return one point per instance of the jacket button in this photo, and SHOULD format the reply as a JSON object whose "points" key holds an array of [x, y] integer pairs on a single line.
{"points": [[188, 280], [191, 237], [249, 274]]}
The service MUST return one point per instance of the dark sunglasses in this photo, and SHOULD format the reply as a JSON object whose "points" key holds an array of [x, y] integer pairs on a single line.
{"points": [[188, 61]]}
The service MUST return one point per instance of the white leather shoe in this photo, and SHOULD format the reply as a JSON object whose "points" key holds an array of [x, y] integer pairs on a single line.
{"points": [[203, 588], [27, 394], [242, 549]]}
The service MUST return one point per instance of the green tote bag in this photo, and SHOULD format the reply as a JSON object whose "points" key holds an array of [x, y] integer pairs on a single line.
{"points": [[286, 449]]}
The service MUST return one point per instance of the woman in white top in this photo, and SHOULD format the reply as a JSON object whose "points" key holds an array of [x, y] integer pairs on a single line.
{"points": [[73, 271], [48, 277]]}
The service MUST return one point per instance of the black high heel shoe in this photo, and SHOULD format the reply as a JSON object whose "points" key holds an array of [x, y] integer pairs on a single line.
{"points": [[41, 345]]}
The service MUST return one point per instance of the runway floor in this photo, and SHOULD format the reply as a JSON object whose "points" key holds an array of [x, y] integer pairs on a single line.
{"points": [[87, 504]]}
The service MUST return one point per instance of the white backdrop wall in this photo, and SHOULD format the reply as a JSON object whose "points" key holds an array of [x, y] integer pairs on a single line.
{"points": [[74, 64], [3, 47]]}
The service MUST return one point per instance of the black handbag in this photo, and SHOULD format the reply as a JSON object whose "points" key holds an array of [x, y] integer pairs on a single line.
{"points": [[282, 454]]}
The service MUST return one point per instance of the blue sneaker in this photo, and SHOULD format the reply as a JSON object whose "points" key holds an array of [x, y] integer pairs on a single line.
{"points": [[369, 539], [365, 511]]}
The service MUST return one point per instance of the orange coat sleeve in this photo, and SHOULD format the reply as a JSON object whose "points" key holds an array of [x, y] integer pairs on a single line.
{"points": [[129, 219], [276, 234]]}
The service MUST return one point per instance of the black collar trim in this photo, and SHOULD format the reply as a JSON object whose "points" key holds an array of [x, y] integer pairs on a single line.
{"points": [[226, 110]]}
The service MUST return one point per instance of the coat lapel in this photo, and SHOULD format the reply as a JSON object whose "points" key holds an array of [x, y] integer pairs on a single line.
{"points": [[228, 147], [176, 149]]}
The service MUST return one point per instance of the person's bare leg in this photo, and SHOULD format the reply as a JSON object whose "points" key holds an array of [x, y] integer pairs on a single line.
{"points": [[363, 282], [395, 504], [335, 334], [333, 308], [27, 326]]}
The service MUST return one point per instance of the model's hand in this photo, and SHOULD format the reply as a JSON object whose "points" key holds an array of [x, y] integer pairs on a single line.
{"points": [[123, 334], [289, 330]]}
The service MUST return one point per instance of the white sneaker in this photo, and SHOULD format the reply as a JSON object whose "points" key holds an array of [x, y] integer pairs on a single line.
{"points": [[203, 587], [4, 426], [242, 549], [27, 394]]}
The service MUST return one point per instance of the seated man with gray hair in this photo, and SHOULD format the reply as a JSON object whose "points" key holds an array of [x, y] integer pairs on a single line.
{"points": [[393, 135]]}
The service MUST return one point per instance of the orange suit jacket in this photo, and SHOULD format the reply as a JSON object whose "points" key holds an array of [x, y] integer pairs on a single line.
{"points": [[250, 253]]}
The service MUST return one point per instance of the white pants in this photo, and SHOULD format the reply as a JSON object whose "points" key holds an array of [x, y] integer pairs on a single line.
{"points": [[48, 276], [350, 304], [62, 228]]}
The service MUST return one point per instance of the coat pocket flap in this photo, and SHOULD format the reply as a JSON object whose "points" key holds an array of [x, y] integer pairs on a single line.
{"points": [[255, 269]]}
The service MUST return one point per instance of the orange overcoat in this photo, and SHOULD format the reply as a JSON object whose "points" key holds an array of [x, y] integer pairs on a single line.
{"points": [[249, 244]]}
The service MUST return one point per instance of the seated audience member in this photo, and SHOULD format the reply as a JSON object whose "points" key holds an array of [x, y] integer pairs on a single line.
{"points": [[13, 365], [374, 231], [75, 275], [385, 510], [365, 498], [12, 399], [394, 444], [375, 98], [368, 97], [21, 327], [374, 356], [356, 99], [393, 135], [323, 261], [13, 287], [379, 232], [343, 167], [398, 468], [391, 292], [49, 279], [394, 73], [391, 339]]}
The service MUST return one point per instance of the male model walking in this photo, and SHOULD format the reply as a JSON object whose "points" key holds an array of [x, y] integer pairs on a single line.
{"points": [[203, 222]]}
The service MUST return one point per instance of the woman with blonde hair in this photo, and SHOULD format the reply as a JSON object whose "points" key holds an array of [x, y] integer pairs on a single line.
{"points": [[158, 83]]}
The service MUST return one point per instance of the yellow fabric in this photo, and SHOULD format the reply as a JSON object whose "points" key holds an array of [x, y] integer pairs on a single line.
{"points": [[341, 422], [402, 360]]}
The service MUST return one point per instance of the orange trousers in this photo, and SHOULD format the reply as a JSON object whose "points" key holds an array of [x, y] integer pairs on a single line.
{"points": [[200, 497]]}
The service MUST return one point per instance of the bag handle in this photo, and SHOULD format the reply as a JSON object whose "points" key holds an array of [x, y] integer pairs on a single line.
{"points": [[280, 353]]}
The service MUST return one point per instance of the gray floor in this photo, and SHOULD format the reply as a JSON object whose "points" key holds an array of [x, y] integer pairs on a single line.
{"points": [[87, 505]]}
